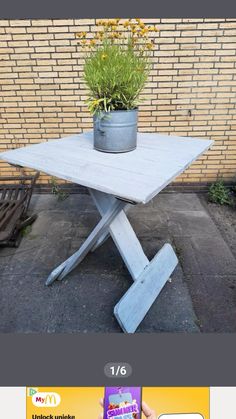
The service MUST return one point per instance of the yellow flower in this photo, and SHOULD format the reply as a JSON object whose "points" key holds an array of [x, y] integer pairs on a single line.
{"points": [[144, 31], [92, 42], [126, 24], [104, 56], [118, 35], [95, 102], [153, 28], [149, 45]]}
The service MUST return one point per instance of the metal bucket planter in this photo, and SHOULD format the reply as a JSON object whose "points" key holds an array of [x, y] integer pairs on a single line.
{"points": [[115, 131]]}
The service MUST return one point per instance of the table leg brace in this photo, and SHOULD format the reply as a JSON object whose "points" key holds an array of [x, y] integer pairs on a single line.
{"points": [[134, 305], [62, 270]]}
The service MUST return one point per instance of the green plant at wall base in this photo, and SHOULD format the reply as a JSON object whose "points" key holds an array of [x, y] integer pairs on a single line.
{"points": [[219, 193], [116, 64], [56, 190]]}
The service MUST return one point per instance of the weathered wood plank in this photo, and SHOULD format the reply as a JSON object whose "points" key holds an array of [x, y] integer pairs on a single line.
{"points": [[123, 236], [136, 302], [136, 176]]}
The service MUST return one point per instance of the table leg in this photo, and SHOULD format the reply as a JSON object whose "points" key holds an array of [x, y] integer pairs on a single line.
{"points": [[122, 234], [150, 277], [62, 270]]}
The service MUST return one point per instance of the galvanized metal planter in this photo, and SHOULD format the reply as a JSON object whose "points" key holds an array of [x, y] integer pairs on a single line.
{"points": [[116, 131]]}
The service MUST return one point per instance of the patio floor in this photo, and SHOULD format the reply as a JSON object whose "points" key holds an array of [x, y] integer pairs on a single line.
{"points": [[201, 296]]}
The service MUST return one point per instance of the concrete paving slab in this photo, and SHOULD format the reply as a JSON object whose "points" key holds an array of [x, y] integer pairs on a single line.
{"points": [[177, 202], [191, 223], [214, 255]]}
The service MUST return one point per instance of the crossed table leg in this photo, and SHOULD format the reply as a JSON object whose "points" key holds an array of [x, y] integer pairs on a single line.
{"points": [[149, 276]]}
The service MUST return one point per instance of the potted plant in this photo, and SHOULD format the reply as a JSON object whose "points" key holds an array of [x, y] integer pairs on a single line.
{"points": [[116, 69]]}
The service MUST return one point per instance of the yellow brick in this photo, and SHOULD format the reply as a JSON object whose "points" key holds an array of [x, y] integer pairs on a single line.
{"points": [[41, 22], [62, 68], [62, 55], [56, 29], [186, 40], [231, 32], [65, 49], [60, 42], [48, 74], [44, 49], [169, 46], [22, 22], [193, 33], [207, 26], [228, 25], [65, 36], [63, 22], [41, 56], [17, 44], [84, 22], [37, 30], [226, 52], [229, 46]]}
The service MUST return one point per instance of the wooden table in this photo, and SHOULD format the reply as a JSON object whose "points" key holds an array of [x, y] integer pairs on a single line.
{"points": [[116, 181]]}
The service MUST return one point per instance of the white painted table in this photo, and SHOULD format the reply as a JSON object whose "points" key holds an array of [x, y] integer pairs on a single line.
{"points": [[115, 181]]}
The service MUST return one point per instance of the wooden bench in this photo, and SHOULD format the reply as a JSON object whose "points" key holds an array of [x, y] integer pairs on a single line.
{"points": [[15, 195]]}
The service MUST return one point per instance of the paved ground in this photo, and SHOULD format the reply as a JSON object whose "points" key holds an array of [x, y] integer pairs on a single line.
{"points": [[200, 297]]}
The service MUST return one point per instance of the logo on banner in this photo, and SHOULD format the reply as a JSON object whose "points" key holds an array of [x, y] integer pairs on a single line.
{"points": [[31, 391], [46, 399]]}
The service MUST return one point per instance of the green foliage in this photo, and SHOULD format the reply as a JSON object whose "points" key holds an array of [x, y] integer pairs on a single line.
{"points": [[26, 230], [56, 190], [219, 193], [115, 75]]}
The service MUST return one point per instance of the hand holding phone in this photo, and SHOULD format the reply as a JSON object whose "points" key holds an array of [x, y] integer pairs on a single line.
{"points": [[122, 403]]}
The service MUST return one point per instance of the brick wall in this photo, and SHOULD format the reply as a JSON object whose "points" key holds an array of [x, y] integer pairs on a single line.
{"points": [[191, 91]]}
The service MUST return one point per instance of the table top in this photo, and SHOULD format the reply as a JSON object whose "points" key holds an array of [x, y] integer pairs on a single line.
{"points": [[136, 176]]}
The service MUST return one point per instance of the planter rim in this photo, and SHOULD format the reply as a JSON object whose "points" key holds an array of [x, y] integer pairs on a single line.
{"points": [[119, 110]]}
